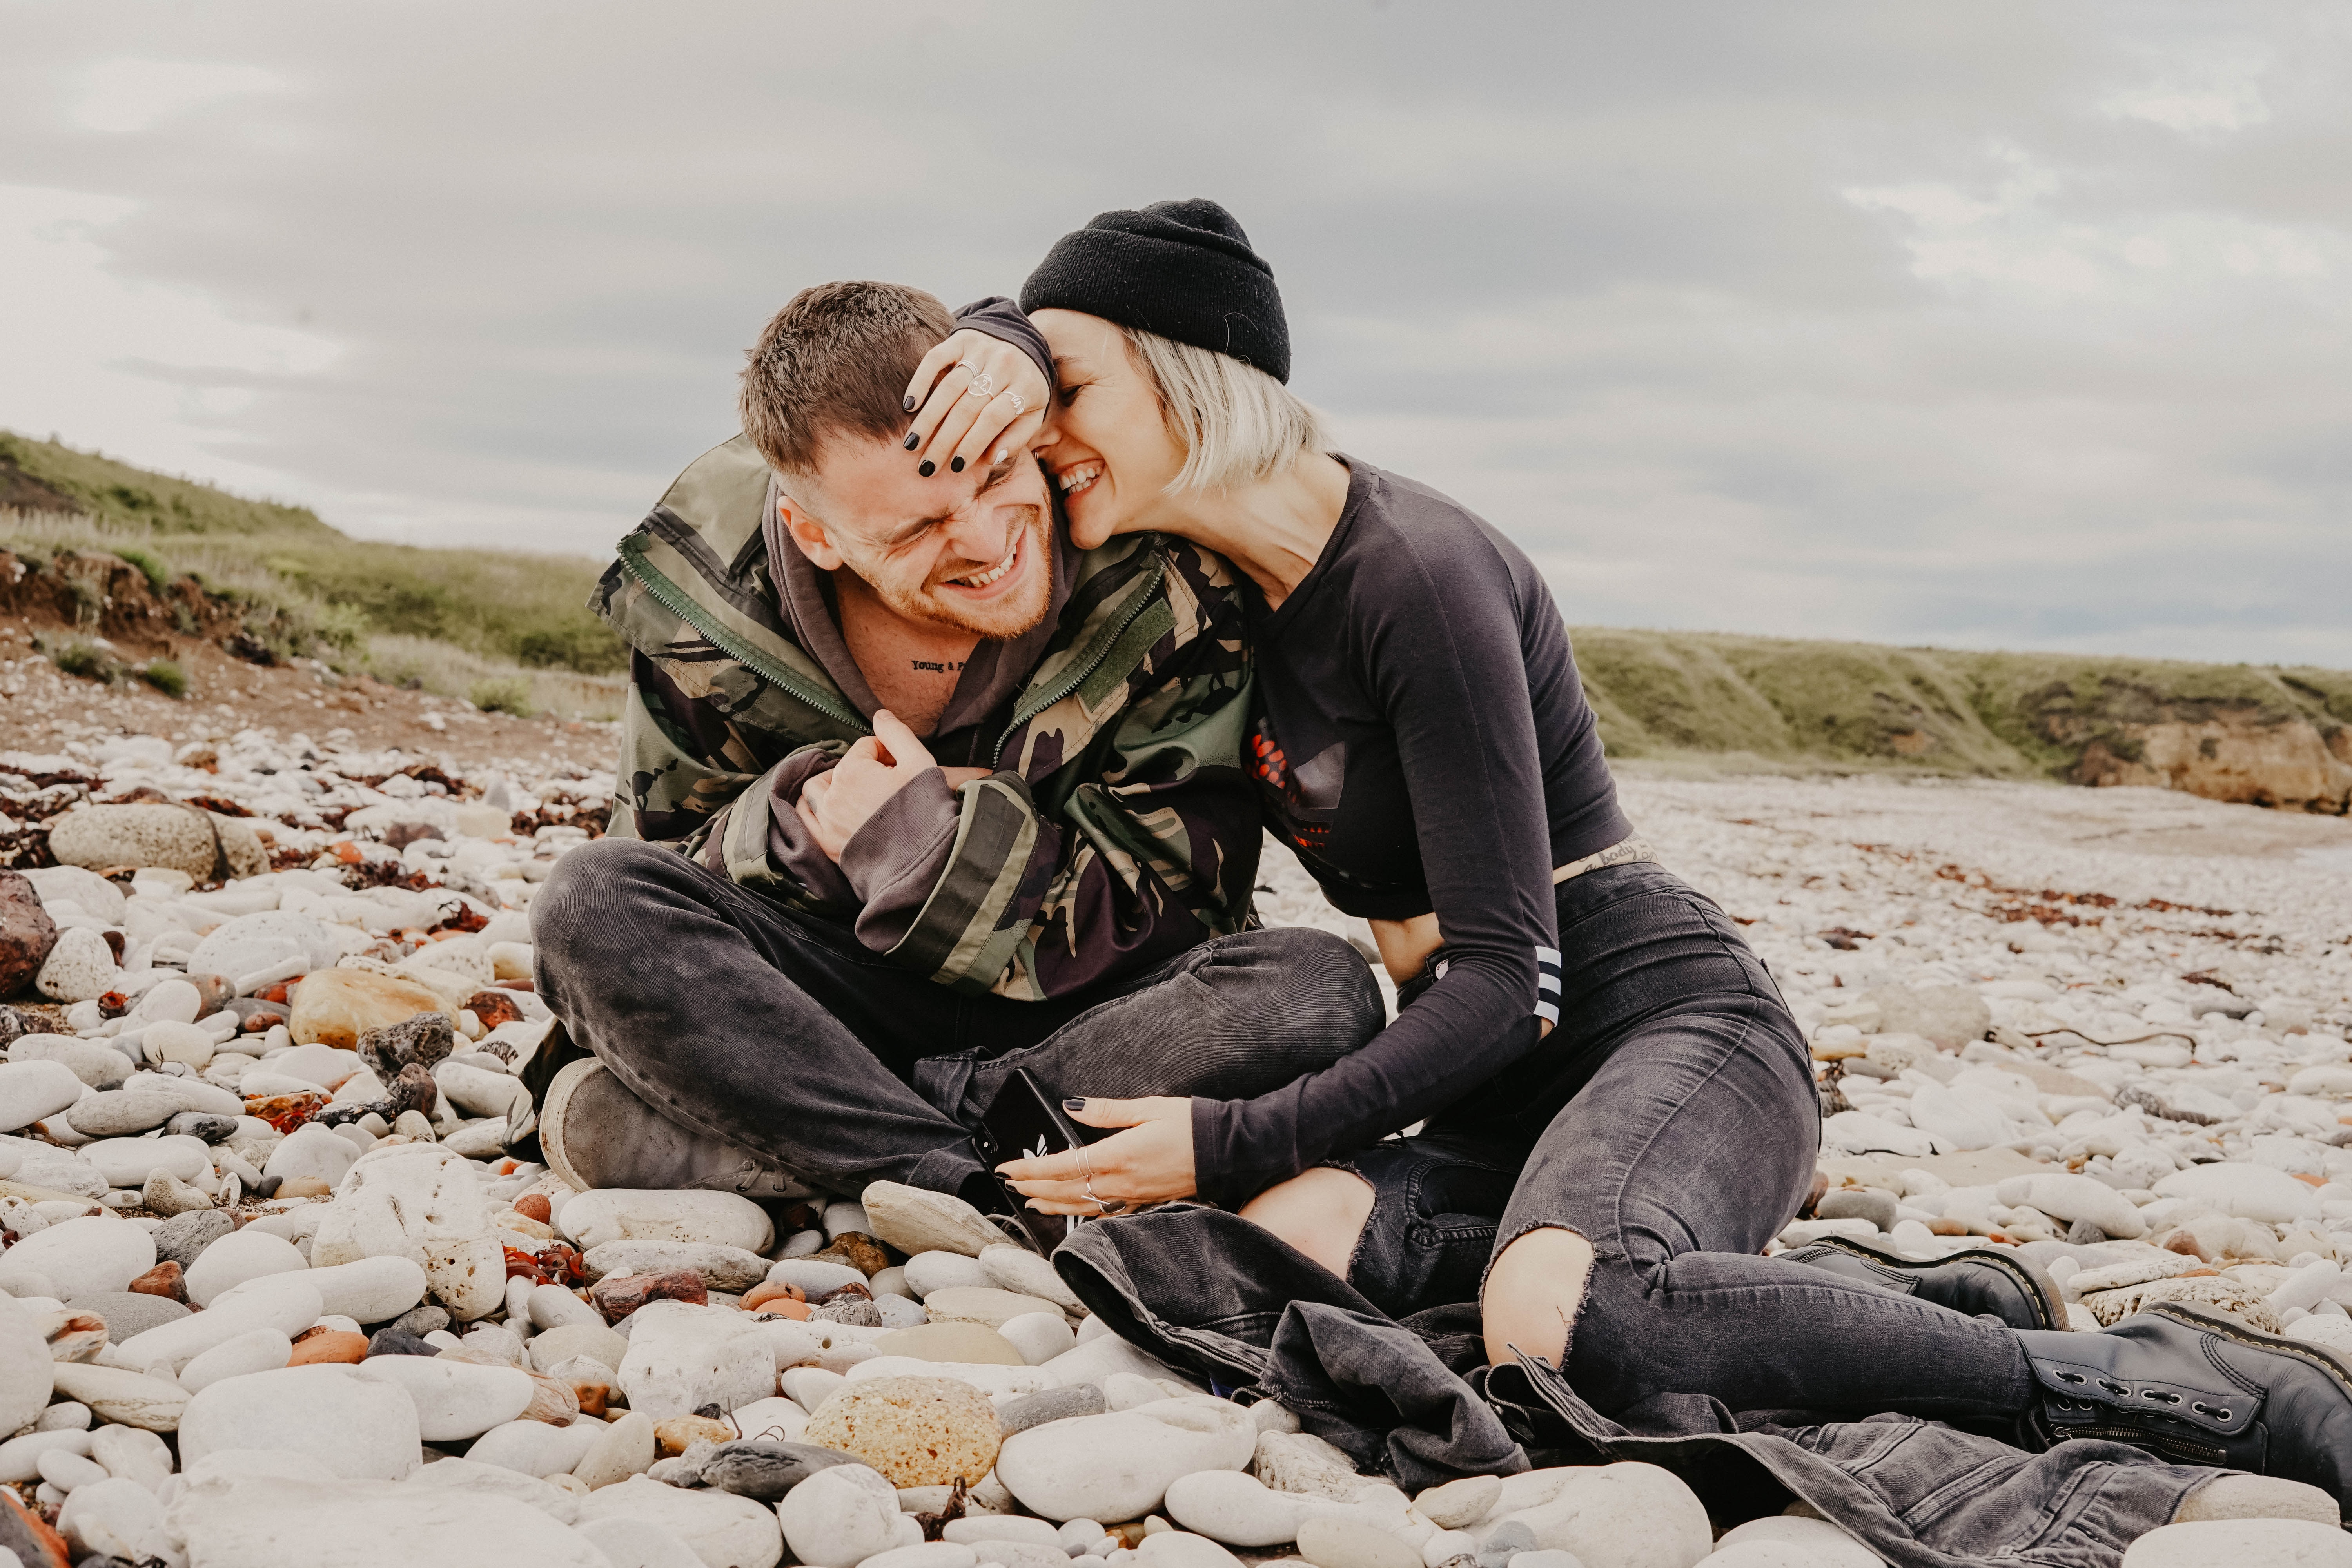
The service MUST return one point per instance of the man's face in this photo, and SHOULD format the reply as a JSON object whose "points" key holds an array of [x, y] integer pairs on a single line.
{"points": [[970, 551]]}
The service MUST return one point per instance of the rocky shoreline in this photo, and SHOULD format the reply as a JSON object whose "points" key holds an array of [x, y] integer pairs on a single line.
{"points": [[275, 1290]]}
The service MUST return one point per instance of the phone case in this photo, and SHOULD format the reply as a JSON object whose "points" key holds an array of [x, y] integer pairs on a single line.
{"points": [[1021, 1123]]}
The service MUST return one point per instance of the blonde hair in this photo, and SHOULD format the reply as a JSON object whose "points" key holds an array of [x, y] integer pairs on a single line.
{"points": [[1237, 424]]}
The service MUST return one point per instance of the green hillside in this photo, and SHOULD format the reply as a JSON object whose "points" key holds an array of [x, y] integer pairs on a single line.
{"points": [[116, 492], [2021, 715], [2262, 733], [502, 605]]}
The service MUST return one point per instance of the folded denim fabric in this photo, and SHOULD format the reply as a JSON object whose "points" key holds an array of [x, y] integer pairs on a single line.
{"points": [[1213, 1294]]}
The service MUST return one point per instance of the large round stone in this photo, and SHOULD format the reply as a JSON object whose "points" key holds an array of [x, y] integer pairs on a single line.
{"points": [[272, 1520], [236, 1258], [719, 1526], [1807, 1543], [25, 1370], [80, 968], [370, 1290], [1119, 1466], [982, 1304], [918, 1431], [339, 1005], [1622, 1514], [129, 1312], [455, 1400], [729, 1268], [536, 1448], [360, 1429], [2255, 1542], [182, 838], [841, 1516], [958, 1342], [82, 1257], [616, 1213], [128, 1162], [251, 943], [26, 932], [184, 1237], [683, 1356], [33, 1090], [98, 1065]]}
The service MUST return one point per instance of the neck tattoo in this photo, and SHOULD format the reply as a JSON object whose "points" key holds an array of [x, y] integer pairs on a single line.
{"points": [[940, 665]]}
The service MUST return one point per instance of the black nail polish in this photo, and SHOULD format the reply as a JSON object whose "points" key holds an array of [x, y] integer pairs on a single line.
{"points": [[927, 468], [910, 402], [1074, 1105], [912, 440], [955, 465]]}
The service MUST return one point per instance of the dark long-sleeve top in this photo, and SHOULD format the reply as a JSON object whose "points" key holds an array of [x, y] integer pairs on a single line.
{"points": [[1422, 741]]}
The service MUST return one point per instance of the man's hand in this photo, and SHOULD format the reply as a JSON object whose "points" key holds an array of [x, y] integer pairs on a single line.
{"points": [[836, 805]]}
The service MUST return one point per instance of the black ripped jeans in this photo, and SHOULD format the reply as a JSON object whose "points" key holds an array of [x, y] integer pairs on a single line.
{"points": [[731, 1015], [1671, 1120]]}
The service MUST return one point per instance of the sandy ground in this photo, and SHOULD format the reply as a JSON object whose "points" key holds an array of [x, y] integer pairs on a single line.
{"points": [[41, 709]]}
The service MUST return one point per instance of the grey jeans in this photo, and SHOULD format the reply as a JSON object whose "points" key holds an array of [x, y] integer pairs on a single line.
{"points": [[1227, 1302], [732, 1014], [1672, 1121]]}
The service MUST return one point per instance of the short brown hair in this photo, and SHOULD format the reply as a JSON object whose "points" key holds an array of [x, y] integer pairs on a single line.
{"points": [[838, 357]]}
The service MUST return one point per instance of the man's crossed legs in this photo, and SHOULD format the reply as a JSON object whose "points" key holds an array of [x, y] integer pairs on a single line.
{"points": [[775, 1047]]}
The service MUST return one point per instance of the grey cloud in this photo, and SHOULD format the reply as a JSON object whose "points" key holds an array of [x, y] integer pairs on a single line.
{"points": [[1593, 269]]}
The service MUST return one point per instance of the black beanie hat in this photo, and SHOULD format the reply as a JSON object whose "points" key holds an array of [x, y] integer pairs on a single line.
{"points": [[1182, 269]]}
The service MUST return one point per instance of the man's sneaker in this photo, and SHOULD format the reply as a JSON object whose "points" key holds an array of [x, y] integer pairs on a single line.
{"points": [[595, 1133], [1980, 1282], [2197, 1387]]}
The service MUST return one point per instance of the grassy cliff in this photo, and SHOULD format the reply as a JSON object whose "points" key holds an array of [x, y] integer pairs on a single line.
{"points": [[113, 491], [2260, 734], [501, 604], [2254, 732]]}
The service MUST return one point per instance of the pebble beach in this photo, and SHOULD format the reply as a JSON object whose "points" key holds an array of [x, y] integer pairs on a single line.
{"points": [[275, 1290]]}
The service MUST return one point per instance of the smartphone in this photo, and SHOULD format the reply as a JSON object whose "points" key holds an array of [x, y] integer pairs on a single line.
{"points": [[1023, 1122]]}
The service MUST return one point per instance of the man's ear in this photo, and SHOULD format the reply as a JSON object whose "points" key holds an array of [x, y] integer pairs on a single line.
{"points": [[809, 535]]}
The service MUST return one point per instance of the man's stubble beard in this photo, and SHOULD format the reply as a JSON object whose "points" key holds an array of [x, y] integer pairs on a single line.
{"points": [[936, 612]]}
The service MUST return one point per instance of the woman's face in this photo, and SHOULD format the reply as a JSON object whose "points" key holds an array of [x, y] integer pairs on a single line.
{"points": [[1107, 448]]}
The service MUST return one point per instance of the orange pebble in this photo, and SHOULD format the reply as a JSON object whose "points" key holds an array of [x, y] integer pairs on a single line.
{"points": [[335, 1345], [347, 852], [534, 1205], [165, 1280], [758, 1296]]}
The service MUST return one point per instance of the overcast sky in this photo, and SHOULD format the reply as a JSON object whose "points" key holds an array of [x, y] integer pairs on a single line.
{"points": [[1970, 325]]}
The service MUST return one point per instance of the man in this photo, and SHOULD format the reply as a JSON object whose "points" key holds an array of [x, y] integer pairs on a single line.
{"points": [[913, 795]]}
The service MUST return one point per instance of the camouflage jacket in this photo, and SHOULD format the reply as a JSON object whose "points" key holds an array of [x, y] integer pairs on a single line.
{"points": [[1119, 828]]}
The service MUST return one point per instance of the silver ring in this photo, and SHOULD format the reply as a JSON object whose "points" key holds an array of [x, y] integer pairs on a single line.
{"points": [[982, 384], [1015, 399], [1085, 1167]]}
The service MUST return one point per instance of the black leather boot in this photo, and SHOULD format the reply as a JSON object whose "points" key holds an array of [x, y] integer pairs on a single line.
{"points": [[1980, 1282], [2197, 1387]]}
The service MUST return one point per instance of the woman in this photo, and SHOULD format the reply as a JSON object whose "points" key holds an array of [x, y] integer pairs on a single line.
{"points": [[1599, 1058]]}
